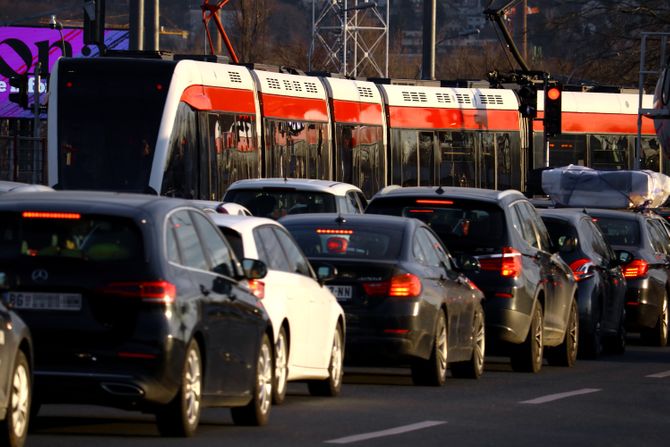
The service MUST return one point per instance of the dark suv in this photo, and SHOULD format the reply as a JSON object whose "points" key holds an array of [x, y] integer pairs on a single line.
{"points": [[529, 291], [647, 271]]}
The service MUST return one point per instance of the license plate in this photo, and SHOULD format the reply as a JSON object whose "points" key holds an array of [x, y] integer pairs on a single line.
{"points": [[44, 301], [342, 293]]}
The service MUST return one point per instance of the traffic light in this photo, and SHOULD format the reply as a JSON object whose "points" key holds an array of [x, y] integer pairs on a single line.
{"points": [[94, 22], [553, 94], [19, 90], [528, 101]]}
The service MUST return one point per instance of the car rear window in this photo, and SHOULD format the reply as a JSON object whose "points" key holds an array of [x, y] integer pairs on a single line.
{"points": [[278, 202], [463, 225], [235, 240], [620, 231], [348, 242], [91, 238]]}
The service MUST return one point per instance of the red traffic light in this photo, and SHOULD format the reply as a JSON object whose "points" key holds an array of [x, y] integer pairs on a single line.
{"points": [[553, 93]]}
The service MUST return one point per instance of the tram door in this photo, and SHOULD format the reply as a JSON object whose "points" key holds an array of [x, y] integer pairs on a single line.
{"points": [[457, 162]]}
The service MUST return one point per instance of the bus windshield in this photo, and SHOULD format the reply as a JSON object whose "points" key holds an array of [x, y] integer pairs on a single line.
{"points": [[109, 112]]}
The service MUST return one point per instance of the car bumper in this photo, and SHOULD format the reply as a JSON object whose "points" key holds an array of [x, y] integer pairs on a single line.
{"points": [[507, 318], [642, 309]]}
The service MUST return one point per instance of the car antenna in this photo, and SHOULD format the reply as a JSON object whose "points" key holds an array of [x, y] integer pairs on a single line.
{"points": [[340, 220], [439, 190]]}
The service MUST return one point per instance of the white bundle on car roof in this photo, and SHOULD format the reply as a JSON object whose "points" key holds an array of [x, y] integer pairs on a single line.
{"points": [[579, 186]]}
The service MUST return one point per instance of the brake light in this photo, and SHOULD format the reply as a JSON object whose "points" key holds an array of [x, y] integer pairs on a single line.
{"points": [[257, 287], [637, 268], [508, 263], [405, 285], [333, 231], [434, 202], [49, 215], [337, 245], [149, 291], [581, 268]]}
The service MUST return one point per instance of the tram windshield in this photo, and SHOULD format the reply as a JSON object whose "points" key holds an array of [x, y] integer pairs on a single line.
{"points": [[109, 112]]}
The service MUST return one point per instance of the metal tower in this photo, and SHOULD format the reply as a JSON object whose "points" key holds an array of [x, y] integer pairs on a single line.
{"points": [[350, 37]]}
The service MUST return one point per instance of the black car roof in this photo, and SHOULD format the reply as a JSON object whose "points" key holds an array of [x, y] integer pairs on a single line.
{"points": [[88, 202], [448, 191], [621, 214], [568, 214]]}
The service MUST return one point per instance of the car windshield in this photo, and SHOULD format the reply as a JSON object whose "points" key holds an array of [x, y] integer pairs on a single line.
{"points": [[463, 225], [69, 235], [351, 242], [620, 231], [278, 202]]}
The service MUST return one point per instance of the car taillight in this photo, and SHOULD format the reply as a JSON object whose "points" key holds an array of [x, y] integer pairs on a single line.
{"points": [[581, 268], [149, 291], [508, 263], [257, 287], [636, 269], [404, 285]]}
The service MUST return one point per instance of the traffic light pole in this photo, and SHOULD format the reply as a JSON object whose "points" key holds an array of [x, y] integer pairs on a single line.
{"points": [[36, 125]]}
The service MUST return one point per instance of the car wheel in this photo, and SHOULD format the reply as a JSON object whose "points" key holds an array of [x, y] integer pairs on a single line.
{"points": [[527, 357], [473, 368], [333, 384], [433, 371], [281, 368], [14, 428], [565, 354], [617, 343], [257, 411], [658, 335], [181, 416]]}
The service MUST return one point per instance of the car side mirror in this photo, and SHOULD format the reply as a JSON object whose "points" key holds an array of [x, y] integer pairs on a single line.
{"points": [[567, 244], [325, 272], [467, 263], [624, 257], [254, 269]]}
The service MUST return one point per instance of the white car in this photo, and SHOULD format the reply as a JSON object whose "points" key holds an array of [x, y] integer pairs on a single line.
{"points": [[212, 206], [307, 321], [277, 197]]}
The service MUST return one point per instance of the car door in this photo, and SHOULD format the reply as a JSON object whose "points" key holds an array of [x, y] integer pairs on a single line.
{"points": [[285, 296], [319, 299], [229, 319]]}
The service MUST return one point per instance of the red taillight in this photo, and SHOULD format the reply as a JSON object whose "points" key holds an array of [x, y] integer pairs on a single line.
{"points": [[434, 202], [405, 285], [508, 263], [150, 291], [257, 287], [636, 269], [581, 268], [49, 215], [337, 244]]}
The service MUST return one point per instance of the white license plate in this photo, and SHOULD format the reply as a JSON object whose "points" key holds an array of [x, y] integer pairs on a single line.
{"points": [[44, 301], [342, 293]]}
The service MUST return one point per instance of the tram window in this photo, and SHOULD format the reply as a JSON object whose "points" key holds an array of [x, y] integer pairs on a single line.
{"points": [[181, 179], [457, 165], [488, 161], [360, 157], [507, 147], [609, 152], [651, 155], [426, 158], [567, 150]]}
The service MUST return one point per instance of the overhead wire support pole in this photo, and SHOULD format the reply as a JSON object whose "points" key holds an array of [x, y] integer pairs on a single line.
{"points": [[209, 12], [497, 15]]}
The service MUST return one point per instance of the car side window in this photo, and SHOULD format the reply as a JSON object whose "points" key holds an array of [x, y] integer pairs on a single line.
{"points": [[430, 256], [526, 228], [351, 204], [172, 249], [440, 250], [362, 200], [192, 254], [215, 245], [598, 241], [293, 253], [273, 255], [663, 237], [540, 227], [656, 239]]}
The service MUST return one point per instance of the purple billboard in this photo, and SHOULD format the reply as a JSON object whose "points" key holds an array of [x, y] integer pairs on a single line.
{"points": [[21, 48]]}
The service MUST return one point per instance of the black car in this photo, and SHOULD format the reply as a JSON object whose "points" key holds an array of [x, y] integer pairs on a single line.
{"points": [[136, 302], [15, 376], [601, 286], [646, 245], [404, 300], [530, 291]]}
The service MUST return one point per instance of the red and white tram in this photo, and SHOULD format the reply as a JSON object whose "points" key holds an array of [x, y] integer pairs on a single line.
{"points": [[190, 128]]}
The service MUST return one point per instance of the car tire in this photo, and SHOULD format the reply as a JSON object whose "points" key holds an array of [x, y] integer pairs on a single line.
{"points": [[616, 344], [181, 416], [527, 357], [280, 383], [14, 428], [257, 411], [473, 368], [658, 335], [332, 385], [433, 371], [565, 354]]}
